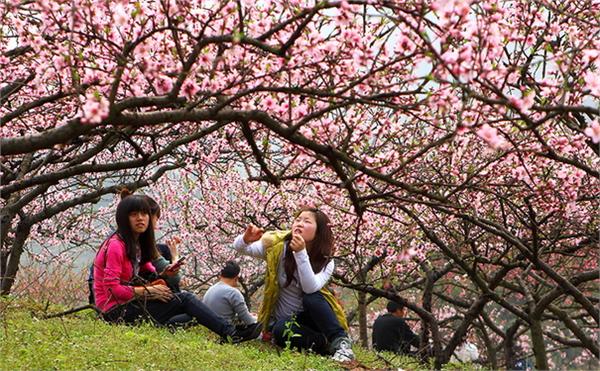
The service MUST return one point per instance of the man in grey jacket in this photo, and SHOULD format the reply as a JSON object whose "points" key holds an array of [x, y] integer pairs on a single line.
{"points": [[226, 300]]}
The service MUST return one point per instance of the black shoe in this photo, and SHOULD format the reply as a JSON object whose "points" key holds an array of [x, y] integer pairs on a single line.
{"points": [[250, 332]]}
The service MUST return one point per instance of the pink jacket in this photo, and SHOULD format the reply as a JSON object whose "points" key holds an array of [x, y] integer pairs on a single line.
{"points": [[112, 272]]}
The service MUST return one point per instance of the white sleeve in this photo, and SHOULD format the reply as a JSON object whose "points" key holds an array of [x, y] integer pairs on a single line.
{"points": [[309, 281], [255, 249]]}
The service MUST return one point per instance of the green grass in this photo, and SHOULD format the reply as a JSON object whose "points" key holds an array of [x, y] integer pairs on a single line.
{"points": [[80, 341]]}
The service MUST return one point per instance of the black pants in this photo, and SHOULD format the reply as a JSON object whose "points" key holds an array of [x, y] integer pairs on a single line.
{"points": [[316, 325], [183, 303]]}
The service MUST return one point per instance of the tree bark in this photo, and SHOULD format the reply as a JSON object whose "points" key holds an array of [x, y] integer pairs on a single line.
{"points": [[539, 347], [492, 357], [21, 235], [509, 344], [362, 319], [427, 301]]}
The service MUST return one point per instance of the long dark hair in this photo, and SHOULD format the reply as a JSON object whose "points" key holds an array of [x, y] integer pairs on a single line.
{"points": [[129, 204], [154, 207], [322, 246]]}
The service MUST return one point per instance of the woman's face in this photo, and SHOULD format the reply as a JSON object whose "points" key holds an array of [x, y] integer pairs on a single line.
{"points": [[305, 225], [139, 220]]}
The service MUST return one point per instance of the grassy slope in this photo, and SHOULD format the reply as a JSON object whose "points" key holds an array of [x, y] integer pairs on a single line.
{"points": [[80, 341]]}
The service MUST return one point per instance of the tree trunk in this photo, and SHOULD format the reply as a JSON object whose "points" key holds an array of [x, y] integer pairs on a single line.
{"points": [[539, 347], [460, 333], [6, 219], [438, 353], [509, 344], [427, 300], [362, 319], [22, 232], [3, 263], [490, 348]]}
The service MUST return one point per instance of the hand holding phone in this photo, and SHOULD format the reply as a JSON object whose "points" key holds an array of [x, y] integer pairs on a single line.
{"points": [[176, 265]]}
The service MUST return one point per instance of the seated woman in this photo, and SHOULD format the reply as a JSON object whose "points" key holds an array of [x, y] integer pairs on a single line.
{"points": [[168, 254], [299, 265], [130, 251]]}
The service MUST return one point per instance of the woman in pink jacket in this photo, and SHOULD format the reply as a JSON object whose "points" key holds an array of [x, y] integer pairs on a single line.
{"points": [[129, 252]]}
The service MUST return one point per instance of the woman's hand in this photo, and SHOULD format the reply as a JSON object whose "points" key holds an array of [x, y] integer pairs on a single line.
{"points": [[297, 243], [170, 270], [183, 282], [159, 292], [172, 243], [252, 234]]}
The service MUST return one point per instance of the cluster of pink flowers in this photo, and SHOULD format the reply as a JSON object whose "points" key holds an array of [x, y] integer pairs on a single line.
{"points": [[95, 109]]}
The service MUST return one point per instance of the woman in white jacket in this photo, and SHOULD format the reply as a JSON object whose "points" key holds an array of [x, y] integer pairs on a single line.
{"points": [[297, 308]]}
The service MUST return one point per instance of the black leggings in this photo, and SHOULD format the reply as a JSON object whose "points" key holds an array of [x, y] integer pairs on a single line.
{"points": [[183, 303]]}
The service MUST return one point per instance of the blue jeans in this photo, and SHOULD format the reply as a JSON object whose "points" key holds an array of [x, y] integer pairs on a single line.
{"points": [[183, 303], [316, 324]]}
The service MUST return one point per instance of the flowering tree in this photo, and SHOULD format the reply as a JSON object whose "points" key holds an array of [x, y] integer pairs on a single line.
{"points": [[463, 135]]}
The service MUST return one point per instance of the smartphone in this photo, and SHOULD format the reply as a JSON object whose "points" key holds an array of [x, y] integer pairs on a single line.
{"points": [[177, 264]]}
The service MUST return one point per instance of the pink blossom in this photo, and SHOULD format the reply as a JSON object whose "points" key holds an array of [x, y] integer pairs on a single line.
{"points": [[268, 103], [460, 130], [120, 15], [59, 62], [163, 85], [90, 76], [592, 82], [590, 55], [450, 57], [490, 135], [345, 5], [466, 53], [230, 7], [593, 131], [329, 47], [562, 174], [405, 45], [345, 15], [189, 88], [204, 59], [524, 103], [450, 7], [95, 109], [520, 173]]}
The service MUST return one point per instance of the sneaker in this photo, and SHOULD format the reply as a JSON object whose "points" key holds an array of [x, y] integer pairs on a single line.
{"points": [[250, 332], [342, 349]]}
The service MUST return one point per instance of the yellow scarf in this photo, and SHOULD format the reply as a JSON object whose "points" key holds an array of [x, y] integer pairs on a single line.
{"points": [[273, 245]]}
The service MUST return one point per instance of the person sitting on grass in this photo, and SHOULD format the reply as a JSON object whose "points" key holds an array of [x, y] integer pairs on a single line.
{"points": [[162, 263], [127, 253], [296, 305], [226, 300], [391, 333]]}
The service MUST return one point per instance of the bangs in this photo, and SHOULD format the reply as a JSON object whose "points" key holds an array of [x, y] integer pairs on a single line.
{"points": [[313, 210], [134, 203]]}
